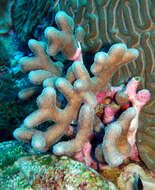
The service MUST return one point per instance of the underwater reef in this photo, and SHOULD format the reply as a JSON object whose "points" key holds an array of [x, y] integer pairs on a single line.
{"points": [[82, 93], [26, 170], [76, 86], [91, 66]]}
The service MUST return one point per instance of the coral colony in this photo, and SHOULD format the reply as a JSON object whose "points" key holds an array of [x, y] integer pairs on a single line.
{"points": [[92, 103]]}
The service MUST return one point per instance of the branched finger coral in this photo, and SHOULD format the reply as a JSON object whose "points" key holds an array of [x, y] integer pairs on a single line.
{"points": [[41, 67], [63, 39], [80, 92]]}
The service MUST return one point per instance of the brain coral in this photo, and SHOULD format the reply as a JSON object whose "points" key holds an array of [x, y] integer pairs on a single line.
{"points": [[146, 137]]}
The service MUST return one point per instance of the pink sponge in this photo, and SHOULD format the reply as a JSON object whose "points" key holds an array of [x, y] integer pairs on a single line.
{"points": [[138, 100]]}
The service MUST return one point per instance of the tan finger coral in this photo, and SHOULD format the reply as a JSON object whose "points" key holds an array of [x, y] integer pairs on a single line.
{"points": [[40, 65], [80, 92], [115, 146], [63, 39]]}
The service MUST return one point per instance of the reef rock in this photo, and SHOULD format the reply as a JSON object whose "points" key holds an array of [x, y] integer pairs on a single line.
{"points": [[27, 171]]}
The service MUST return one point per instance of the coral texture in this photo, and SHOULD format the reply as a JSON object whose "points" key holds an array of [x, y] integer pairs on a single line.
{"points": [[99, 23], [78, 87], [42, 66], [5, 16], [145, 139], [27, 171], [138, 100], [30, 18], [11, 151]]}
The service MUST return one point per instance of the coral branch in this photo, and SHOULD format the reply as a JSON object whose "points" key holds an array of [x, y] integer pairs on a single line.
{"points": [[63, 40], [115, 145], [40, 65], [41, 61]]}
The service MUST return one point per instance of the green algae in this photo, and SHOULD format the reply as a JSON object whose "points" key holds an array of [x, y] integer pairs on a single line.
{"points": [[9, 152]]}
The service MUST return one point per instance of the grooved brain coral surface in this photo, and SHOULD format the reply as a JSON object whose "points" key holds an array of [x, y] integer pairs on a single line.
{"points": [[107, 22]]}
